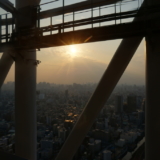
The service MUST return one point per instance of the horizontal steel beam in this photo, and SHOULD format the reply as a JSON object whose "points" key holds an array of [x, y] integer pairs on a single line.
{"points": [[70, 8], [94, 35], [8, 6], [139, 28], [76, 7]]}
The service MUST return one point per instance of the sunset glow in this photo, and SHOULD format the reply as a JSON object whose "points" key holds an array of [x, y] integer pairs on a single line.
{"points": [[73, 51]]}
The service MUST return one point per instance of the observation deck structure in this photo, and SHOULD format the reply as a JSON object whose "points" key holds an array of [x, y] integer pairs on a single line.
{"points": [[19, 41]]}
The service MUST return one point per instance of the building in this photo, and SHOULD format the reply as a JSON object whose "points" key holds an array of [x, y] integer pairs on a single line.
{"points": [[106, 155], [132, 103], [118, 104]]}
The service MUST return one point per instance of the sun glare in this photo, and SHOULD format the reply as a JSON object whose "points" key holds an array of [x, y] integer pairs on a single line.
{"points": [[73, 51]]}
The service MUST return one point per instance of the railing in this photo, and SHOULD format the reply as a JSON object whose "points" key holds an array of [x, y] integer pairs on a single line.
{"points": [[115, 9], [7, 29], [97, 17]]}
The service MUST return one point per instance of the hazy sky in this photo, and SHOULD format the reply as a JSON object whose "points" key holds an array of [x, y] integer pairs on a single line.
{"points": [[84, 63]]}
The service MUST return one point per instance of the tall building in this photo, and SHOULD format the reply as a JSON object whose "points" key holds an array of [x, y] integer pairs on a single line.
{"points": [[106, 155], [132, 103], [139, 102], [143, 105], [66, 93], [119, 104]]}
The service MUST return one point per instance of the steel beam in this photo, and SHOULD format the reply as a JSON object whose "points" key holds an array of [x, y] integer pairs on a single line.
{"points": [[8, 6], [25, 98], [104, 89], [6, 62], [24, 3], [70, 8], [76, 7], [25, 105], [152, 129]]}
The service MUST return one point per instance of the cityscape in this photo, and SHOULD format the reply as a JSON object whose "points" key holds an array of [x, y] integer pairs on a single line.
{"points": [[116, 134]]}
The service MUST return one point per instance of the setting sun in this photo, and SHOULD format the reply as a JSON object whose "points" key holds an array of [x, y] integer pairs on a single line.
{"points": [[73, 51]]}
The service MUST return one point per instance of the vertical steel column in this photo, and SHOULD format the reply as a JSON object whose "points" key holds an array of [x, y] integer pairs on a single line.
{"points": [[25, 98], [25, 105], [115, 13], [152, 97], [63, 16], [38, 21], [12, 24], [0, 28], [99, 15], [120, 11], [73, 18], [6, 27], [92, 12], [152, 93], [51, 25]]}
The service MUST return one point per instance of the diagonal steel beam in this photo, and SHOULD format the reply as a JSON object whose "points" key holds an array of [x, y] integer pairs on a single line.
{"points": [[6, 62], [7, 5], [104, 89]]}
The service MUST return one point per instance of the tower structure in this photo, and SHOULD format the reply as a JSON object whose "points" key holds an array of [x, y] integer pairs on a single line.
{"points": [[25, 71], [152, 92], [132, 103], [25, 92]]}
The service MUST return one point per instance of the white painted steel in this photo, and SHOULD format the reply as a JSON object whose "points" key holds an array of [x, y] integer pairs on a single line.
{"points": [[25, 98]]}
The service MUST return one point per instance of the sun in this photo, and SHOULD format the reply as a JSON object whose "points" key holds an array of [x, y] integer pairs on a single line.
{"points": [[73, 51]]}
